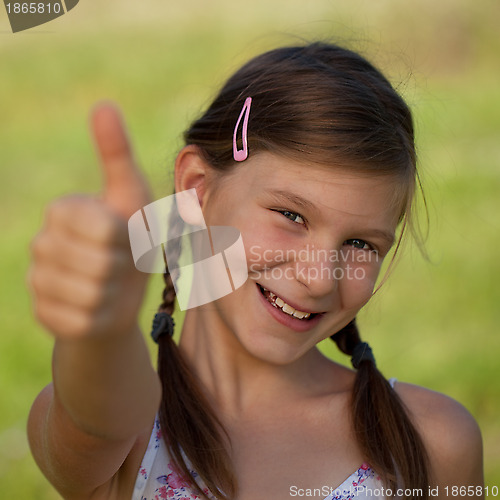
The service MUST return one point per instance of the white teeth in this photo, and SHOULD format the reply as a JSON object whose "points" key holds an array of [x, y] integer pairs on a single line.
{"points": [[301, 315], [286, 308]]}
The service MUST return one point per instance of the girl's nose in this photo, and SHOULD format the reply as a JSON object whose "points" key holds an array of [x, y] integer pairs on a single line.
{"points": [[320, 270]]}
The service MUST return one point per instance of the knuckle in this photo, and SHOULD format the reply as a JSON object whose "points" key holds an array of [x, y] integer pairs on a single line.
{"points": [[42, 314], [40, 245], [38, 281], [33, 279], [56, 208], [88, 218], [63, 321], [53, 207]]}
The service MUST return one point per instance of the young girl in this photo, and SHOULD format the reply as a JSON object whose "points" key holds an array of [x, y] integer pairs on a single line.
{"points": [[309, 153]]}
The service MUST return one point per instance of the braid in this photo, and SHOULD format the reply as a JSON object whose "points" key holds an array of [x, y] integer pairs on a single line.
{"points": [[381, 423], [190, 427], [168, 295], [171, 253]]}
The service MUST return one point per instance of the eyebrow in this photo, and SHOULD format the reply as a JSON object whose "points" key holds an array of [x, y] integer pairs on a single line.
{"points": [[281, 196]]}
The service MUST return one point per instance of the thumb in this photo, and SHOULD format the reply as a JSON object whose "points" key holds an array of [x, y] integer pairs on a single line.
{"points": [[125, 188]]}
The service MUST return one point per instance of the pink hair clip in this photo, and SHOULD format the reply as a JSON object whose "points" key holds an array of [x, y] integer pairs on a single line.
{"points": [[242, 154]]}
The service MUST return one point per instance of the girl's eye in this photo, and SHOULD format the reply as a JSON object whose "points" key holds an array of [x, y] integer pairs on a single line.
{"points": [[293, 216], [357, 243]]}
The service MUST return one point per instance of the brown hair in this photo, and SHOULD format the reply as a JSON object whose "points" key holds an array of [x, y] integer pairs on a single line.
{"points": [[324, 105]]}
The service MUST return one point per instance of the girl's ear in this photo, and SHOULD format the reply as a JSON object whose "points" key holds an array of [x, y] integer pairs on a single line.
{"points": [[191, 171]]}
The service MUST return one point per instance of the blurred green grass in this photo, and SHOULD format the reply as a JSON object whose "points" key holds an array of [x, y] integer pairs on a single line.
{"points": [[433, 323]]}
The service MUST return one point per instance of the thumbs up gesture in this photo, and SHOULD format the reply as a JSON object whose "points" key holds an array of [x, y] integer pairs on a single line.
{"points": [[83, 276]]}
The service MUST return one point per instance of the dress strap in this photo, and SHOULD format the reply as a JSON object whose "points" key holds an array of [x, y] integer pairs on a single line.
{"points": [[147, 461], [392, 381]]}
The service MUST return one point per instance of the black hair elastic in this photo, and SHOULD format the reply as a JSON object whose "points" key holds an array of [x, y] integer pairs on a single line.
{"points": [[163, 324], [361, 352]]}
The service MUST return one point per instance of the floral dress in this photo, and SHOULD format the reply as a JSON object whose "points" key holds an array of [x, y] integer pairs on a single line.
{"points": [[159, 478]]}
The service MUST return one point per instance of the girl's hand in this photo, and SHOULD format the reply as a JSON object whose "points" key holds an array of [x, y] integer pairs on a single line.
{"points": [[83, 276]]}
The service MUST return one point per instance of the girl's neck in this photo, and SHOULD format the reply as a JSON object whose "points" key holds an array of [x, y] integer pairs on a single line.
{"points": [[236, 382]]}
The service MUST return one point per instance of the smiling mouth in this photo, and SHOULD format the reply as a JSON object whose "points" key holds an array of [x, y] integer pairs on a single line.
{"points": [[280, 304]]}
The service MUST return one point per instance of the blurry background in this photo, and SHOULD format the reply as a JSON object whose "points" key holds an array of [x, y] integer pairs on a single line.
{"points": [[434, 322]]}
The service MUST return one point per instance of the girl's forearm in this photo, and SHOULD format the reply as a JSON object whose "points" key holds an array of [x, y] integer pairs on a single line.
{"points": [[107, 385]]}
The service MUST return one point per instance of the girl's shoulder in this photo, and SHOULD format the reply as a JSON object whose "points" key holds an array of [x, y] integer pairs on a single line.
{"points": [[451, 435]]}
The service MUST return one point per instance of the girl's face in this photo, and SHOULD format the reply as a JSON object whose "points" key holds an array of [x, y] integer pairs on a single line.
{"points": [[314, 239]]}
